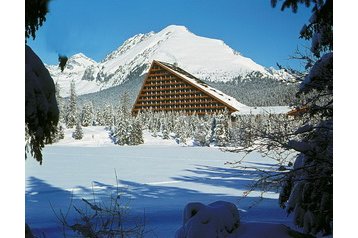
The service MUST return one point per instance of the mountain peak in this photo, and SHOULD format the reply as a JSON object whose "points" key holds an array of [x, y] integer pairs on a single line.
{"points": [[175, 28], [80, 56], [80, 59], [205, 58]]}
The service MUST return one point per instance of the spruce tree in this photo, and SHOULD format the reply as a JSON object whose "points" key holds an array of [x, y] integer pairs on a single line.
{"points": [[71, 112], [87, 114], [136, 133], [78, 133], [220, 133], [308, 188], [108, 115], [200, 134], [35, 16]]}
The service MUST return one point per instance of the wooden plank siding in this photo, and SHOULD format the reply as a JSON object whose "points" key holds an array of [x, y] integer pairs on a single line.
{"points": [[164, 89]]}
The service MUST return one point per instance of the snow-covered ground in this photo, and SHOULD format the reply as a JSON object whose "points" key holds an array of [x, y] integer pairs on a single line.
{"points": [[157, 178]]}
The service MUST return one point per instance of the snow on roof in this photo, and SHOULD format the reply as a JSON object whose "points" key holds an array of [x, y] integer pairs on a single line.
{"points": [[231, 101], [263, 110]]}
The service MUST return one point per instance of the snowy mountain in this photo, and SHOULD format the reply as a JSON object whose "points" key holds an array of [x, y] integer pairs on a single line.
{"points": [[205, 58], [74, 70]]}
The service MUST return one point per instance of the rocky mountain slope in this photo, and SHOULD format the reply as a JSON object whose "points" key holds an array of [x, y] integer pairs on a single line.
{"points": [[208, 59]]}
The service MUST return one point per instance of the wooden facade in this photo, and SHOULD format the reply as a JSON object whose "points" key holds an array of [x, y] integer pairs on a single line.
{"points": [[167, 88]]}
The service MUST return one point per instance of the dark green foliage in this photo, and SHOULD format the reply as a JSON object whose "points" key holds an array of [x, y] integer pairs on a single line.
{"points": [[40, 125], [35, 16], [62, 60], [41, 110], [293, 4]]}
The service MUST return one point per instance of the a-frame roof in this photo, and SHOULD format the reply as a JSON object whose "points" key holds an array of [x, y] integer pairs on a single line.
{"points": [[227, 100]]}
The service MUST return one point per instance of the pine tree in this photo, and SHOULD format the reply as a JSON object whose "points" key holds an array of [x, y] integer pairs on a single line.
{"points": [[71, 112], [87, 114], [41, 110], [136, 133], [60, 132], [221, 135], [124, 102], [200, 134], [99, 121], [35, 16], [108, 115], [308, 188], [78, 133]]}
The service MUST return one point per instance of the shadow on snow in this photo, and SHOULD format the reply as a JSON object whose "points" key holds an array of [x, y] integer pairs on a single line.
{"points": [[160, 204]]}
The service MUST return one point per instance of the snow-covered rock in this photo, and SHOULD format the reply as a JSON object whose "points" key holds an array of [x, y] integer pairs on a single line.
{"points": [[218, 220], [80, 69]]}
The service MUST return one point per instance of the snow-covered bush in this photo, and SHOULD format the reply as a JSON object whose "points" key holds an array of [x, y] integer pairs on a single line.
{"points": [[219, 219]]}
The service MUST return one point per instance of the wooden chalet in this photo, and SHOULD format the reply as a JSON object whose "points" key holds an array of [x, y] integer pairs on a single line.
{"points": [[170, 88]]}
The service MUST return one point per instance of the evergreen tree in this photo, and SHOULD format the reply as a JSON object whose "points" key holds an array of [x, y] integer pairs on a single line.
{"points": [[200, 133], [78, 134], [108, 115], [71, 112], [60, 132], [35, 16], [87, 115], [136, 133], [220, 133], [308, 187], [124, 102], [60, 102], [99, 121]]}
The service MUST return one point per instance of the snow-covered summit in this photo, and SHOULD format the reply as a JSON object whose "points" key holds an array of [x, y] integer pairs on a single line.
{"points": [[79, 61], [205, 58], [74, 70]]}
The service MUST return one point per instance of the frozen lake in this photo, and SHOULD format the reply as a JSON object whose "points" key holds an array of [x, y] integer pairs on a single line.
{"points": [[156, 180]]}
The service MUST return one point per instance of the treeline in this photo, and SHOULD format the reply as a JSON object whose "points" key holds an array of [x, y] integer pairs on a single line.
{"points": [[126, 129], [259, 92]]}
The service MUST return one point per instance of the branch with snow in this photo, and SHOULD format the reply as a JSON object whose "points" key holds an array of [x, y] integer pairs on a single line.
{"points": [[41, 111]]}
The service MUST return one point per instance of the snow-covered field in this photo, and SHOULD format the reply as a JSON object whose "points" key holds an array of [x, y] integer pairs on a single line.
{"points": [[157, 179]]}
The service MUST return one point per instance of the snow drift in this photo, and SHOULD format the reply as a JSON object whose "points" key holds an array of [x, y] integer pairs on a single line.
{"points": [[219, 219]]}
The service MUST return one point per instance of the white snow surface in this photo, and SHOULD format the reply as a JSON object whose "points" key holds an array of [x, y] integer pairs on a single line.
{"points": [[157, 179], [205, 58], [219, 219], [262, 110]]}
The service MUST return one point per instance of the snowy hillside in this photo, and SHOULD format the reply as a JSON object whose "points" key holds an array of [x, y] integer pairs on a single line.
{"points": [[205, 58]]}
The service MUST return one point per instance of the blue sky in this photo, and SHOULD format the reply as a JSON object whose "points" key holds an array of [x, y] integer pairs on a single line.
{"points": [[97, 27]]}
